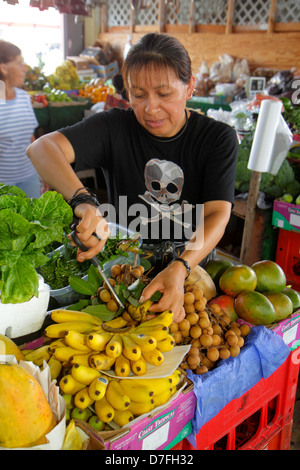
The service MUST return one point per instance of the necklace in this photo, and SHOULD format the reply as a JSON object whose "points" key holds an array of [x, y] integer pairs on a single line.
{"points": [[175, 137]]}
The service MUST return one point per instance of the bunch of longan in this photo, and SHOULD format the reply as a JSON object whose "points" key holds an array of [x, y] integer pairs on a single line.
{"points": [[127, 273], [211, 333]]}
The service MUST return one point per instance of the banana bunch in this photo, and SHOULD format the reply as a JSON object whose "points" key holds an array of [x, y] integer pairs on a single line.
{"points": [[97, 399], [81, 338]]}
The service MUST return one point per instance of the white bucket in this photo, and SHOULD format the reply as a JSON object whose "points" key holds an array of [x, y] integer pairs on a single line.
{"points": [[27, 317]]}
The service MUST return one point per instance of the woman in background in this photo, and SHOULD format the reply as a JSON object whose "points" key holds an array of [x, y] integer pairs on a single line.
{"points": [[17, 124]]}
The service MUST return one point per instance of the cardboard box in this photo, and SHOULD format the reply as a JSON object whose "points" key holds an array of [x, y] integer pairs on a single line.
{"points": [[106, 71], [162, 429], [86, 75], [286, 215], [79, 62]]}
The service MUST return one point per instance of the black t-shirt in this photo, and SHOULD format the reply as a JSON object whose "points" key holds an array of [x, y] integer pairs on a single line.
{"points": [[157, 185]]}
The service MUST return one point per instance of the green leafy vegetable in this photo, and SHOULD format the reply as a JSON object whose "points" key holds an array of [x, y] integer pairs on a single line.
{"points": [[27, 226]]}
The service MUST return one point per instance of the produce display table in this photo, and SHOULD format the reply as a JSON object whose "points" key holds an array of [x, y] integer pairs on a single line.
{"points": [[52, 118], [198, 102]]}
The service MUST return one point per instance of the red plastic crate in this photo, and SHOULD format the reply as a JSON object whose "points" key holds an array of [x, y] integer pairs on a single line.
{"points": [[252, 420], [288, 256], [280, 441]]}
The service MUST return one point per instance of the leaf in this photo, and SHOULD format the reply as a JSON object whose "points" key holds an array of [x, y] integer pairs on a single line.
{"points": [[21, 283], [94, 278], [100, 311], [81, 286], [82, 303], [156, 296]]}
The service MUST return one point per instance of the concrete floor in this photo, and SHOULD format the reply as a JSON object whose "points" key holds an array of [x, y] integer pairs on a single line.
{"points": [[295, 440]]}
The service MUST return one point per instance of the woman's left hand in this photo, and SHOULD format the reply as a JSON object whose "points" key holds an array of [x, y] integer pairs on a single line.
{"points": [[170, 282]]}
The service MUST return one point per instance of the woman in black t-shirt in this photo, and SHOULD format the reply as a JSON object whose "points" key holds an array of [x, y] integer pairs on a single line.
{"points": [[169, 171]]}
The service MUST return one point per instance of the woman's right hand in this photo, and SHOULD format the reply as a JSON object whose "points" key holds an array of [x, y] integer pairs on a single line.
{"points": [[91, 222]]}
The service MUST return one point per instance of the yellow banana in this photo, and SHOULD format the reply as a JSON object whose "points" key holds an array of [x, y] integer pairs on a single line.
{"points": [[139, 408], [145, 342], [123, 417], [116, 397], [166, 344], [175, 378], [117, 322], [164, 318], [98, 341], [84, 374], [97, 388], [163, 397], [83, 359], [130, 349], [114, 346], [159, 332], [159, 385], [39, 355], [57, 344], [82, 399], [139, 313], [135, 391], [154, 357], [62, 316], [55, 367], [104, 410], [139, 367], [122, 366], [76, 340], [69, 385], [101, 361], [58, 330], [64, 353]]}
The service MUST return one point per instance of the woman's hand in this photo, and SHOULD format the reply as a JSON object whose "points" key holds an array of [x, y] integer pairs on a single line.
{"points": [[90, 223], [170, 282]]}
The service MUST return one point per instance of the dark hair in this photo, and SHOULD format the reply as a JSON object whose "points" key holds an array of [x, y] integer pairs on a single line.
{"points": [[8, 52], [161, 51]]}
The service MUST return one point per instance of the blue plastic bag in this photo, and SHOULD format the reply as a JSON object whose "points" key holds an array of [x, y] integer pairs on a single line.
{"points": [[263, 352]]}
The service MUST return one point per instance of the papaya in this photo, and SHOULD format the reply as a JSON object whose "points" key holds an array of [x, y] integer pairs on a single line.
{"points": [[9, 347], [270, 276], [226, 304], [236, 279], [294, 296], [215, 269], [200, 278], [282, 304], [255, 308], [25, 414]]}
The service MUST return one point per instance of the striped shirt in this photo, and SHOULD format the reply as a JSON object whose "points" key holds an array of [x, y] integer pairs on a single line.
{"points": [[17, 125]]}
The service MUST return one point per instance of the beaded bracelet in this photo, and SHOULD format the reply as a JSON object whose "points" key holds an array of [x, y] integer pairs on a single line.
{"points": [[84, 198], [185, 263]]}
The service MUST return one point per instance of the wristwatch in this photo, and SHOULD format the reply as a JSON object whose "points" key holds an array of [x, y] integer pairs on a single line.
{"points": [[185, 263]]}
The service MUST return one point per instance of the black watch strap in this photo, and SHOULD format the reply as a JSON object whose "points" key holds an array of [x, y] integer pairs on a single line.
{"points": [[185, 263]]}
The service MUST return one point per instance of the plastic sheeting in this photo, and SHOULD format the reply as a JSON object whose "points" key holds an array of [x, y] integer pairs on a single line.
{"points": [[263, 352]]}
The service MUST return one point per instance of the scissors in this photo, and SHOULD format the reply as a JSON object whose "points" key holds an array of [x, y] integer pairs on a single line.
{"points": [[96, 263]]}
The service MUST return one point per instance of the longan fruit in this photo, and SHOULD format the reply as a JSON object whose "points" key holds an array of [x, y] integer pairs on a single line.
{"points": [[185, 333], [204, 322], [215, 308], [240, 341], [189, 288], [232, 340], [225, 320], [217, 329], [198, 293], [208, 330], [189, 308], [224, 353], [206, 340], [112, 305], [216, 340], [193, 351], [245, 330], [199, 305], [177, 337], [206, 362], [140, 268], [189, 298], [201, 370], [184, 325], [136, 272], [115, 269], [196, 342], [192, 318], [105, 296], [236, 330], [234, 350], [195, 331], [193, 360], [212, 354], [111, 281], [173, 327]]}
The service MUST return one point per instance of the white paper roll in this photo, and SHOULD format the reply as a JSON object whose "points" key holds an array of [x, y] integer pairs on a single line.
{"points": [[264, 136]]}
